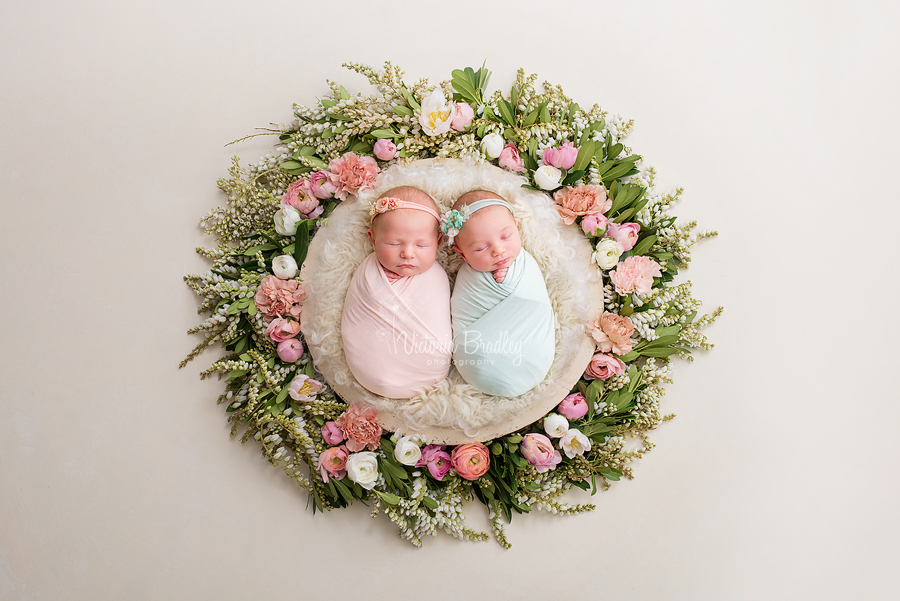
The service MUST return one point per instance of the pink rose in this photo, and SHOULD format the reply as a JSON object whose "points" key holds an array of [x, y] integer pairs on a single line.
{"points": [[471, 460], [331, 433], [333, 461], [594, 223], [351, 173], [385, 149], [581, 200], [613, 333], [290, 350], [462, 116], [276, 297], [509, 158], [573, 406], [635, 274], [360, 425], [320, 185], [303, 388], [282, 329], [604, 367], [299, 195], [625, 234], [539, 452], [562, 157], [436, 459]]}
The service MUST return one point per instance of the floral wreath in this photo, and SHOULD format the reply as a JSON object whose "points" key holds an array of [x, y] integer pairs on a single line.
{"points": [[339, 452]]}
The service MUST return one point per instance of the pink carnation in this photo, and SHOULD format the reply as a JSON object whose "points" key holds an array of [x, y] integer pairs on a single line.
{"points": [[360, 425], [581, 200], [276, 297], [320, 185], [510, 158], [635, 274], [282, 329], [613, 333], [604, 367], [573, 406], [351, 173], [562, 157], [333, 461], [625, 234], [299, 195], [539, 452], [436, 459]]}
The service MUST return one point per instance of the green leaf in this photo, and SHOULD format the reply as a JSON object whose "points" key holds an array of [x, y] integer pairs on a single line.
{"points": [[583, 159], [382, 133], [283, 394], [531, 118], [462, 84], [573, 108], [479, 131], [496, 448], [251, 309], [614, 151], [571, 178], [344, 93], [361, 147], [305, 151], [430, 503], [489, 114], [643, 246], [388, 498], [659, 352], [237, 373], [403, 111], [262, 247], [545, 113], [594, 389], [506, 111], [342, 489], [326, 134], [631, 356], [514, 439], [514, 96], [301, 245], [328, 103]]}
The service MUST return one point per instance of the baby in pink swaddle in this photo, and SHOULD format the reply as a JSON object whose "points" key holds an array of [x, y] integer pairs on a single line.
{"points": [[396, 321]]}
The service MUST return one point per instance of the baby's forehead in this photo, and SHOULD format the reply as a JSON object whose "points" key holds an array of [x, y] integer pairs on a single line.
{"points": [[405, 219], [495, 215]]}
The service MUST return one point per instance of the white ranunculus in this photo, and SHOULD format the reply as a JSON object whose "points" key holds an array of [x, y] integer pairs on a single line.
{"points": [[284, 267], [362, 468], [436, 114], [492, 145], [555, 425], [286, 220], [406, 451], [547, 177], [574, 443], [607, 253]]}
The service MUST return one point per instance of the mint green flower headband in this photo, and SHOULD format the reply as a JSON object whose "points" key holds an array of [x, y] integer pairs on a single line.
{"points": [[453, 220]]}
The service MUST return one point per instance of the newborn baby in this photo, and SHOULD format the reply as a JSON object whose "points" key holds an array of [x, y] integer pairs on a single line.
{"points": [[396, 321], [503, 325]]}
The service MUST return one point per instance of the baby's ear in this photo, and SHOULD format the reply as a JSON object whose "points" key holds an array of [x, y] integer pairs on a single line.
{"points": [[456, 248], [371, 235]]}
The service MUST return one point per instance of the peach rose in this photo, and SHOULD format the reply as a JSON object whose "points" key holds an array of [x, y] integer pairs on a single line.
{"points": [[351, 173], [471, 460], [510, 158], [320, 185], [613, 333], [604, 367], [625, 234], [300, 196], [333, 461], [282, 329], [539, 452], [635, 274], [462, 116], [276, 297], [581, 200], [360, 425]]}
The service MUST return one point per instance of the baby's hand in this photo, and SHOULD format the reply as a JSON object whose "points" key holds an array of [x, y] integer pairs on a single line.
{"points": [[500, 274], [391, 276]]}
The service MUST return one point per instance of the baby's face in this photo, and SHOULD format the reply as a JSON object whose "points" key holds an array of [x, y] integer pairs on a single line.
{"points": [[489, 240], [405, 241]]}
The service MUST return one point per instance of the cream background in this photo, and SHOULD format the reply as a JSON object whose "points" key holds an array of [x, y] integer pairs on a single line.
{"points": [[778, 479]]}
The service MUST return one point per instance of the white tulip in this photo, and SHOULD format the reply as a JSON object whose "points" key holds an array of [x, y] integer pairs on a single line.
{"points": [[406, 451], [286, 220], [574, 443], [555, 425], [436, 114], [607, 253], [284, 267], [362, 468], [492, 145], [547, 177]]}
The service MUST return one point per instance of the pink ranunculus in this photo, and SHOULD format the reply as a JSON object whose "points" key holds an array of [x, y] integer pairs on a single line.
{"points": [[581, 200], [276, 297], [594, 224], [625, 234], [320, 185], [613, 333], [360, 425], [573, 406], [562, 157], [539, 452], [333, 461], [604, 366], [300, 196], [635, 274], [281, 329], [303, 388], [290, 350], [331, 433], [462, 116], [471, 460], [436, 459], [510, 158], [385, 149], [351, 173]]}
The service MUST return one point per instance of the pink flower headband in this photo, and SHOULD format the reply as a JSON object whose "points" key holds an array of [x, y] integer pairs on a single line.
{"points": [[388, 203]]}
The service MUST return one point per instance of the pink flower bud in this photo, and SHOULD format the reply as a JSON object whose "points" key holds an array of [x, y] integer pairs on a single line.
{"points": [[290, 350], [331, 433], [462, 116], [573, 406], [320, 186], [562, 157], [509, 158], [594, 224], [385, 149]]}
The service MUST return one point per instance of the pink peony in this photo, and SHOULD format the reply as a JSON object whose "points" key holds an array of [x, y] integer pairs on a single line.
{"points": [[562, 157], [282, 329], [613, 333], [509, 158], [581, 200], [331, 433], [299, 195], [385, 149], [635, 274], [333, 461], [471, 460], [303, 388], [625, 234], [351, 173], [276, 297], [573, 406], [594, 224], [604, 367], [290, 350], [436, 459], [462, 116], [539, 452], [320, 185], [360, 425]]}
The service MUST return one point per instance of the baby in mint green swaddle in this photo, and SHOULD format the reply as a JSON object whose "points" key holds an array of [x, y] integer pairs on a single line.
{"points": [[503, 326]]}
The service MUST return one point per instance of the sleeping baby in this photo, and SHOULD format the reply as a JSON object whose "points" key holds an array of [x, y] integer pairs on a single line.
{"points": [[503, 324], [396, 320]]}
